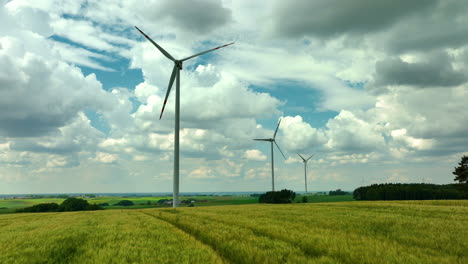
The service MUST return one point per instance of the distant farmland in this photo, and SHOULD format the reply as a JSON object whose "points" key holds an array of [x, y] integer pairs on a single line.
{"points": [[10, 205], [341, 232]]}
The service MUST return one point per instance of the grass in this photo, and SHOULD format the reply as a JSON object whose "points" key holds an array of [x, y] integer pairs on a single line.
{"points": [[341, 232]]}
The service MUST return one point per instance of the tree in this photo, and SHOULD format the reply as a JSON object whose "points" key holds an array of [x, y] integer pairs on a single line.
{"points": [[461, 171], [283, 196], [77, 204], [125, 203], [74, 204], [43, 207]]}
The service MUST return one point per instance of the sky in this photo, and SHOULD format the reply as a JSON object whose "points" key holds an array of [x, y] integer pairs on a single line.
{"points": [[376, 90]]}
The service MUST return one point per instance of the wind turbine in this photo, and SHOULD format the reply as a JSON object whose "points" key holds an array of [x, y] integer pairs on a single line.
{"points": [[176, 75], [272, 140], [305, 168]]}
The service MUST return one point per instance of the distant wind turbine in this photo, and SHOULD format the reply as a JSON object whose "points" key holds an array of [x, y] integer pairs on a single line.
{"points": [[176, 74], [272, 140], [305, 169]]}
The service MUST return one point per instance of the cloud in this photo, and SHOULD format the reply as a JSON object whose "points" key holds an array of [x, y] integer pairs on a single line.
{"points": [[200, 16], [254, 154], [299, 135], [221, 170], [327, 18], [202, 173], [266, 65], [446, 21], [32, 19], [347, 132], [77, 136], [106, 157], [80, 56], [435, 71], [56, 161], [40, 94], [400, 136], [263, 172], [85, 33]]}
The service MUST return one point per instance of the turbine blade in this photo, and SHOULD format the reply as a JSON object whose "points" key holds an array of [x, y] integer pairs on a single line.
{"points": [[201, 53], [157, 46], [279, 149], [301, 157], [276, 131], [309, 157], [171, 81], [262, 139]]}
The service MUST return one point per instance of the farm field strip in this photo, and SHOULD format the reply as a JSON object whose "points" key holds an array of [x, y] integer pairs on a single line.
{"points": [[236, 244], [342, 232], [376, 230], [219, 223], [116, 236], [363, 235], [299, 234]]}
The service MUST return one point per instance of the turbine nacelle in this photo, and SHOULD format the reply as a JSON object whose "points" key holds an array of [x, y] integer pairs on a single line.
{"points": [[177, 64], [273, 139], [303, 159]]}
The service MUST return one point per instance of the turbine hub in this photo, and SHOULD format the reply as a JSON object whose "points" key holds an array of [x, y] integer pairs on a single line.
{"points": [[179, 64]]}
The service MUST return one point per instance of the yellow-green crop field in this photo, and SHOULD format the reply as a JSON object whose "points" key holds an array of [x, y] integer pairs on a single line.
{"points": [[341, 232]]}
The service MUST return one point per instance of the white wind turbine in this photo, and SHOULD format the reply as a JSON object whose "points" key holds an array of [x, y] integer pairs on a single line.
{"points": [[176, 75], [305, 169], [272, 140]]}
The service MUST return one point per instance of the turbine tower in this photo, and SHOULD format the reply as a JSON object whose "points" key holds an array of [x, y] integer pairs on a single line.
{"points": [[305, 169], [272, 140], [176, 75]]}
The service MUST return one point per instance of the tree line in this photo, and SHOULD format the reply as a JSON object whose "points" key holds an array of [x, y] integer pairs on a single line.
{"points": [[411, 191], [338, 192], [70, 204]]}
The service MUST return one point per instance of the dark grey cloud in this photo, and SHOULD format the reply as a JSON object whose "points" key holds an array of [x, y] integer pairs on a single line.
{"points": [[397, 26], [327, 18], [437, 71], [37, 124], [443, 26], [199, 16]]}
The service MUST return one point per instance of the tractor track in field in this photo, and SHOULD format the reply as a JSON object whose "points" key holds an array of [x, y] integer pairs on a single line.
{"points": [[309, 252], [178, 226]]}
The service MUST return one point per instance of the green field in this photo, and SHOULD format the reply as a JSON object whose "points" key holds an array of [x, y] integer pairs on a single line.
{"points": [[326, 198], [10, 205], [341, 232]]}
